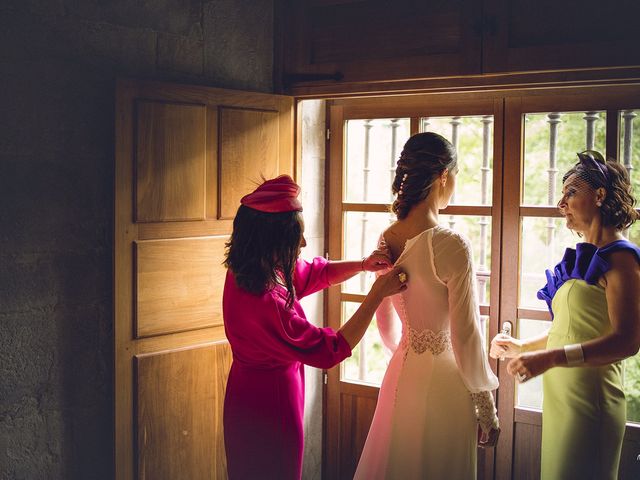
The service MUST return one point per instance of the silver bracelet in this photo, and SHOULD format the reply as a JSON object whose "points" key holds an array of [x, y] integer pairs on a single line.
{"points": [[574, 354]]}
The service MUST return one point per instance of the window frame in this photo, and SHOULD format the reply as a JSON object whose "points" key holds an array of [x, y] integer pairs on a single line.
{"points": [[413, 107], [507, 108]]}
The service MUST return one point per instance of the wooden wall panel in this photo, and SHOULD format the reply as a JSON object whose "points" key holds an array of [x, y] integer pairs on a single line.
{"points": [[248, 148], [369, 41], [550, 35], [178, 284], [170, 161], [179, 400]]}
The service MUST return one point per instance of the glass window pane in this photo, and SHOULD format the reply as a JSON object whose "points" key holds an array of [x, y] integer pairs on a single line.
{"points": [[368, 361], [529, 394], [544, 241], [551, 141], [372, 148], [630, 158], [473, 139], [630, 146], [478, 231], [631, 369], [633, 233], [362, 231]]}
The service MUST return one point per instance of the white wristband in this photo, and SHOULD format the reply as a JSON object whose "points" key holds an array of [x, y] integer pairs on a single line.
{"points": [[574, 354]]}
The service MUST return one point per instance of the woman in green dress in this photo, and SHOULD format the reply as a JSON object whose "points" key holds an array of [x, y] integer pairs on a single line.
{"points": [[593, 297]]}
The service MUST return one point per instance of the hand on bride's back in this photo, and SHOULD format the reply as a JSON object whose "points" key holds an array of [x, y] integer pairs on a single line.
{"points": [[377, 261], [390, 283]]}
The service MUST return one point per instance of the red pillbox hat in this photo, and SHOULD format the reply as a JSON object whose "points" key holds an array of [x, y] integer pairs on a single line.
{"points": [[276, 195]]}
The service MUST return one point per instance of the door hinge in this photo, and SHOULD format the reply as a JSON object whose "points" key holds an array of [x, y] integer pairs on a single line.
{"points": [[328, 134], [325, 377]]}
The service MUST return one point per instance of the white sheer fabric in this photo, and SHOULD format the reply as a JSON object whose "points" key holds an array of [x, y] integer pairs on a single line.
{"points": [[425, 424]]}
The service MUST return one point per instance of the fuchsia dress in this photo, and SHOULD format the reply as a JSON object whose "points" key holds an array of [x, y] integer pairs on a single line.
{"points": [[264, 401]]}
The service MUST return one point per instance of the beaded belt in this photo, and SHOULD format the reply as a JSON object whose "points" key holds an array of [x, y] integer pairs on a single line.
{"points": [[425, 340]]}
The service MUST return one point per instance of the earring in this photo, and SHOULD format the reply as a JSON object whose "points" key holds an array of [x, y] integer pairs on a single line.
{"points": [[598, 203]]}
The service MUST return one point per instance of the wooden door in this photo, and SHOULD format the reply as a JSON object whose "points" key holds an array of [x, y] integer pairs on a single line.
{"points": [[542, 134], [525, 36], [184, 157], [535, 136], [367, 136]]}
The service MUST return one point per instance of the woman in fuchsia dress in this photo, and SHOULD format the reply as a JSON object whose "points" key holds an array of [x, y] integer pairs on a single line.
{"points": [[270, 337]]}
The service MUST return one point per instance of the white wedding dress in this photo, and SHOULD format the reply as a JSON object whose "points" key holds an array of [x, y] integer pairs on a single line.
{"points": [[425, 424]]}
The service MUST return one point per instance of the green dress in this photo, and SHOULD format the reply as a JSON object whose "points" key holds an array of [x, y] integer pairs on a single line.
{"points": [[584, 408]]}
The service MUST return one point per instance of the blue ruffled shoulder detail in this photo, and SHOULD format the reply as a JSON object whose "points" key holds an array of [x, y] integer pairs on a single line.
{"points": [[587, 262]]}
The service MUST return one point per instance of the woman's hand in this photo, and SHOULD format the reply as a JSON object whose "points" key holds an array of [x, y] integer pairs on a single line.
{"points": [[378, 260], [529, 365], [505, 346], [488, 439], [395, 281], [390, 283]]}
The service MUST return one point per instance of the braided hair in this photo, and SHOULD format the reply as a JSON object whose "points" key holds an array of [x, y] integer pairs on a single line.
{"points": [[424, 157]]}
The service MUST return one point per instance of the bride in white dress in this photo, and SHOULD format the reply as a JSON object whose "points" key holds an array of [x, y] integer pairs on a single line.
{"points": [[435, 401]]}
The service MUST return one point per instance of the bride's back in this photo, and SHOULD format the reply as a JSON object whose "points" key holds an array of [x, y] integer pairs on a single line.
{"points": [[429, 258]]}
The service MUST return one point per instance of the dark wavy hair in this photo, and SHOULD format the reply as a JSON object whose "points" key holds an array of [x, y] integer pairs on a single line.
{"points": [[424, 157], [263, 250], [617, 208]]}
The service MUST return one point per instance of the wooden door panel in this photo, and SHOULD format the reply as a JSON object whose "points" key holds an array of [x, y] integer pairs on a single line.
{"points": [[526, 451], [179, 402], [178, 284], [248, 150], [168, 254], [170, 161], [356, 411]]}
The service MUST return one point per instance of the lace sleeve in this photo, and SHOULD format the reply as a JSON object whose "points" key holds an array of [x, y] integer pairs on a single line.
{"points": [[485, 410]]}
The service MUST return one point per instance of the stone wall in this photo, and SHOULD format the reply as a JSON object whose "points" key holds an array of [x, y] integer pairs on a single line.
{"points": [[58, 63]]}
